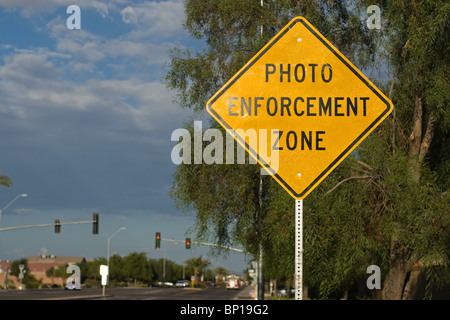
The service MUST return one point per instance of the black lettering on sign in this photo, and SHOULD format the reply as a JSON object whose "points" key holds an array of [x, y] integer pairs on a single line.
{"points": [[298, 106], [270, 69], [257, 105], [285, 72], [268, 106], [247, 107], [319, 139], [313, 73], [330, 73], [337, 105], [288, 141], [285, 104], [295, 106], [275, 145], [307, 140], [299, 72], [231, 106], [296, 72]]}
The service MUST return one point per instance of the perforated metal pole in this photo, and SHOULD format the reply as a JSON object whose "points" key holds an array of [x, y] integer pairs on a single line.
{"points": [[298, 249], [260, 273]]}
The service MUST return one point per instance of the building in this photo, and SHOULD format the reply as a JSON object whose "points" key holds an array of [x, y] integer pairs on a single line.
{"points": [[38, 267]]}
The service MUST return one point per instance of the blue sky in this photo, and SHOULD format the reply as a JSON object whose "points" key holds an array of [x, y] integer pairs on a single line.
{"points": [[85, 126]]}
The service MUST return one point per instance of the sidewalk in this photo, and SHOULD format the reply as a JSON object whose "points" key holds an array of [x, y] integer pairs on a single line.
{"points": [[244, 294]]}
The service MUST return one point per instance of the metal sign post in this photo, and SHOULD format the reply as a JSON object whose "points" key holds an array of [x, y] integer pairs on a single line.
{"points": [[298, 249], [21, 275]]}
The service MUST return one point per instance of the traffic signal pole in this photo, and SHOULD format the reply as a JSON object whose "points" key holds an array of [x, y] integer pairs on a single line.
{"points": [[43, 225], [56, 223], [207, 244]]}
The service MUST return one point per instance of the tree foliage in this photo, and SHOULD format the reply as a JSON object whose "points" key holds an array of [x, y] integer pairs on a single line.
{"points": [[29, 281], [5, 180], [197, 266], [417, 42], [136, 269], [388, 202]]}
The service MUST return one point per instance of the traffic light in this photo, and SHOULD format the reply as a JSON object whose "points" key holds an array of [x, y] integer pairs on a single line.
{"points": [[57, 226], [158, 240], [188, 243], [95, 224]]}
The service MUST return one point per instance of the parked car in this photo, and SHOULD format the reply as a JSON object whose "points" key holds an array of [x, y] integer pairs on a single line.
{"points": [[73, 288], [282, 292], [182, 283]]}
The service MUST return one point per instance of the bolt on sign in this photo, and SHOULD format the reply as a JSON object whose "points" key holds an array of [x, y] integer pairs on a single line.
{"points": [[313, 103]]}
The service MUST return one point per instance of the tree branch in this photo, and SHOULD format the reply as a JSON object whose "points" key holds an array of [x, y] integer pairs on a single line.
{"points": [[365, 165], [416, 134], [426, 142], [347, 179]]}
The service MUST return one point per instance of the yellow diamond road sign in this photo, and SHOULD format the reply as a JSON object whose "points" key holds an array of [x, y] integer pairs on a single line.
{"points": [[307, 105]]}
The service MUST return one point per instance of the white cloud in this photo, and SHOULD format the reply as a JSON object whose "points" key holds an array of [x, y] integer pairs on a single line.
{"points": [[31, 8], [32, 86], [90, 106], [22, 68], [21, 211], [86, 47], [152, 17], [128, 15], [155, 18]]}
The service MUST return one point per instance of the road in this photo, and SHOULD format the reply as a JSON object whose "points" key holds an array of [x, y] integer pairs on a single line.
{"points": [[154, 293]]}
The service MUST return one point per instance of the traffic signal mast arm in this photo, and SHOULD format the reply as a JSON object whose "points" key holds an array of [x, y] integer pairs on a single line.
{"points": [[44, 225], [206, 244]]}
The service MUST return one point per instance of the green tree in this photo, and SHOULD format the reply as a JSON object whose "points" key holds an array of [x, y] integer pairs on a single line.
{"points": [[219, 273], [58, 272], [165, 270], [197, 265], [136, 267], [84, 270], [116, 269], [50, 273], [417, 45], [29, 281], [91, 272]]}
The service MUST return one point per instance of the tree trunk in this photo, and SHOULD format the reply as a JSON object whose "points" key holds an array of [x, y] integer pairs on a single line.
{"points": [[415, 139], [412, 285], [397, 272], [418, 149], [196, 277]]}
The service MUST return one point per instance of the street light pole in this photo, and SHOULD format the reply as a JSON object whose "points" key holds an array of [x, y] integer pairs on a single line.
{"points": [[10, 203], [164, 267], [107, 253]]}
